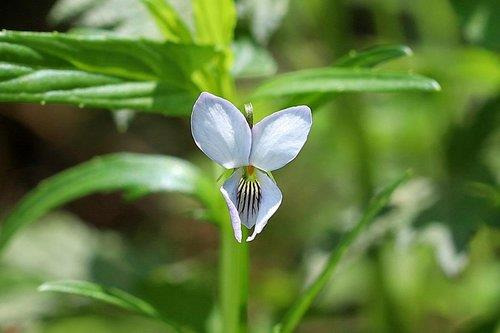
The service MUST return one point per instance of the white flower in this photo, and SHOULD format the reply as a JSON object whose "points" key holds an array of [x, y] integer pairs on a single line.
{"points": [[221, 131]]}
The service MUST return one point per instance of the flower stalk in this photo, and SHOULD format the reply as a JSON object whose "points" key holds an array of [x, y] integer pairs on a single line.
{"points": [[233, 280]]}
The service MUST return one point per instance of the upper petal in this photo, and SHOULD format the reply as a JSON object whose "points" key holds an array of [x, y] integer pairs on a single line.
{"points": [[221, 131], [228, 190], [271, 200], [278, 138]]}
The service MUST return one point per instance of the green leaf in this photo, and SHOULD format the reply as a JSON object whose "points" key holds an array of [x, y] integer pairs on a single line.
{"points": [[252, 60], [339, 80], [373, 56], [355, 59], [108, 295], [215, 21], [100, 71], [136, 174], [297, 311], [168, 21]]}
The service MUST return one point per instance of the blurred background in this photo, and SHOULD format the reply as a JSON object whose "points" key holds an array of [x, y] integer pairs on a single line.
{"points": [[430, 263]]}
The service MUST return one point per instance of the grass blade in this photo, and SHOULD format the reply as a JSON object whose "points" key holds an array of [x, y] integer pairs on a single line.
{"points": [[168, 21], [133, 173], [355, 59], [373, 56], [108, 295], [297, 311], [341, 80]]}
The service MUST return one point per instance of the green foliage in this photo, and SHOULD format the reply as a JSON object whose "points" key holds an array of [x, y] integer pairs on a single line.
{"points": [[354, 59], [100, 71], [215, 21], [168, 21], [299, 308], [136, 174], [95, 68], [108, 295], [468, 194], [373, 56], [339, 80]]}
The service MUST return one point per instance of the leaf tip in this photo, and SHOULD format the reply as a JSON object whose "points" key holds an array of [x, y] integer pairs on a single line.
{"points": [[43, 287], [435, 86], [406, 50]]}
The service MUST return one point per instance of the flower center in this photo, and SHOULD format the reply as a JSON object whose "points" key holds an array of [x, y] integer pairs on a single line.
{"points": [[249, 170], [248, 195]]}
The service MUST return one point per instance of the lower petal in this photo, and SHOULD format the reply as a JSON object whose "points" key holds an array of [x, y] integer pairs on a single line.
{"points": [[271, 200], [229, 191]]}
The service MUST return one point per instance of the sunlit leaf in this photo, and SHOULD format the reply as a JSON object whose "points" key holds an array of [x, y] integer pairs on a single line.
{"points": [[215, 21], [354, 59], [108, 295], [100, 71], [137, 59], [168, 21], [327, 80], [136, 174], [374, 56], [299, 308]]}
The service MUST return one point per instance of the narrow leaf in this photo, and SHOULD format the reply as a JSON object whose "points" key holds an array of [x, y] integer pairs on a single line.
{"points": [[108, 295], [354, 59], [297, 311], [328, 80], [374, 56], [132, 173], [168, 21], [215, 21], [127, 58], [100, 71]]}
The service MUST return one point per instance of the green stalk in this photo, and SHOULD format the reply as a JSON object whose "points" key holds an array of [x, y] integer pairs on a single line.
{"points": [[299, 308], [233, 279]]}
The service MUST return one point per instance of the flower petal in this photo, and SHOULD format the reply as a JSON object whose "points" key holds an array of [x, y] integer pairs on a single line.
{"points": [[221, 131], [228, 190], [271, 200], [278, 138]]}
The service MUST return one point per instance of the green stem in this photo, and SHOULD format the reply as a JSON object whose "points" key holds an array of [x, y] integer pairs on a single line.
{"points": [[297, 311], [233, 279]]}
